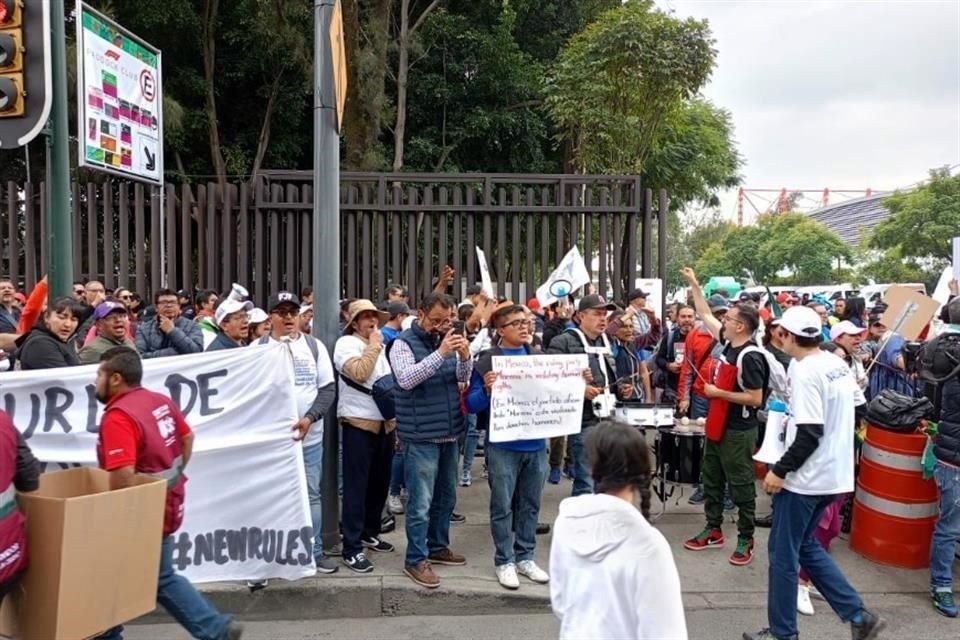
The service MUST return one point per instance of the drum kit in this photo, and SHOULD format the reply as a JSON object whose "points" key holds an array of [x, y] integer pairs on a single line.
{"points": [[678, 445]]}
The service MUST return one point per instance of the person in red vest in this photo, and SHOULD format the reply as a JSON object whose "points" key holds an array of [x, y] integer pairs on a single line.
{"points": [[144, 432], [19, 471]]}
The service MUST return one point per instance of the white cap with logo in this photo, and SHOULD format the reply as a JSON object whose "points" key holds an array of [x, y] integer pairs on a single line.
{"points": [[228, 306]]}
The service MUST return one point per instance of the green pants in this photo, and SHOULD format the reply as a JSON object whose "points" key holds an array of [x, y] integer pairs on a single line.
{"points": [[730, 461]]}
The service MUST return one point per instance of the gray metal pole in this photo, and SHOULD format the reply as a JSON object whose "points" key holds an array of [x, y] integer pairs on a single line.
{"points": [[59, 232], [326, 246]]}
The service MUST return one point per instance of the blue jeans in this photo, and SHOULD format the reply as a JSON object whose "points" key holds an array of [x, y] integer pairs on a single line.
{"points": [[698, 406], [582, 479], [183, 602], [792, 545], [947, 532], [396, 473], [470, 442], [516, 483], [430, 472], [312, 467]]}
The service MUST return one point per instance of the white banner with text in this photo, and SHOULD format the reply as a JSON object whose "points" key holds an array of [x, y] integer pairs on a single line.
{"points": [[247, 515]]}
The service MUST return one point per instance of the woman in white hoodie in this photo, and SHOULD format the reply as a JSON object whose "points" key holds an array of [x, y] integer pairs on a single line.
{"points": [[613, 575]]}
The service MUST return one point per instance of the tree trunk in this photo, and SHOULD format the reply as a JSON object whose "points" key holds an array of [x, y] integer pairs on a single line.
{"points": [[403, 73], [263, 141], [210, 10]]}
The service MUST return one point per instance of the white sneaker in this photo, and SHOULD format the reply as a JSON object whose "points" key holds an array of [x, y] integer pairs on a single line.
{"points": [[507, 576], [394, 505], [530, 569], [804, 605], [814, 593]]}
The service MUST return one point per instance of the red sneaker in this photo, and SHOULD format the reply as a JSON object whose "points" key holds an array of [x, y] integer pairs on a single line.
{"points": [[706, 539], [743, 554]]}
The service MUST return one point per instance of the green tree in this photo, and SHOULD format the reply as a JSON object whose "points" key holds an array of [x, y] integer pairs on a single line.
{"points": [[922, 221]]}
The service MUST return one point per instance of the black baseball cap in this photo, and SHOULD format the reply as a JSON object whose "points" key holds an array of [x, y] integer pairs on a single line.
{"points": [[282, 297], [637, 293], [594, 301]]}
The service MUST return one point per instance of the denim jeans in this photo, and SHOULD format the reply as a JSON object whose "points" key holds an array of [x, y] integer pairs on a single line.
{"points": [[312, 467], [430, 472], [946, 534], [698, 406], [516, 483], [470, 442], [582, 480], [183, 602], [792, 545], [396, 473]]}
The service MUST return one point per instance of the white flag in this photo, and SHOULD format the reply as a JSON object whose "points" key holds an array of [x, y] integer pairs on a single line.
{"points": [[485, 282], [570, 275]]}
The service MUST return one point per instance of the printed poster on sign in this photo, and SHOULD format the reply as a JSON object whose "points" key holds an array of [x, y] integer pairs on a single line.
{"points": [[119, 99], [537, 396]]}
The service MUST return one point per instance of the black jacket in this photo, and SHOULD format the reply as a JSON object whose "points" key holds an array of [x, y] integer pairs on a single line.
{"points": [[43, 350], [569, 342]]}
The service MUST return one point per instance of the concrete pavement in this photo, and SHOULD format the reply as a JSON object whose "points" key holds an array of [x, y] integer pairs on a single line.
{"points": [[711, 586]]}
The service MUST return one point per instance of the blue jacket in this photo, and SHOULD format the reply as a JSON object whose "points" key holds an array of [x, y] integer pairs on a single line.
{"points": [[153, 343], [431, 410]]}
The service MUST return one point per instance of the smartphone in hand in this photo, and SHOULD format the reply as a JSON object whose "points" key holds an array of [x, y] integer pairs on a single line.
{"points": [[460, 327]]}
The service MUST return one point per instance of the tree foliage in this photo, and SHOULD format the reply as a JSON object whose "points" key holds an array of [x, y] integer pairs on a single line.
{"points": [[922, 221]]}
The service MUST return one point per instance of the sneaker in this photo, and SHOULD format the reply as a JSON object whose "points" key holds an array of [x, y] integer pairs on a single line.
{"points": [[358, 562], [448, 558], [485, 473], [507, 576], [234, 631], [530, 569], [814, 592], [388, 524], [804, 606], [743, 554], [944, 604], [377, 544], [765, 634], [554, 477], [335, 550], [697, 497], [569, 473], [422, 573], [728, 504], [457, 518], [764, 522], [327, 565], [394, 505], [543, 528], [707, 538], [256, 585], [465, 480], [869, 626]]}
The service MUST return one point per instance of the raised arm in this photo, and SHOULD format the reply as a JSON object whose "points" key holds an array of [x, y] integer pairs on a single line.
{"points": [[700, 302]]}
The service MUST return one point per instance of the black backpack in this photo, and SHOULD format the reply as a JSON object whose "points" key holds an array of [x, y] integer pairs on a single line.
{"points": [[938, 360], [897, 412]]}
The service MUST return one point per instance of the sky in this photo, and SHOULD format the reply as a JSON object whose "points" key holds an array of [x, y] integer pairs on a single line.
{"points": [[845, 94]]}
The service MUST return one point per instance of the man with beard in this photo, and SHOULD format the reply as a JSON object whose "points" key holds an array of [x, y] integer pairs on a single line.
{"points": [[112, 322], [430, 361], [670, 354], [142, 432]]}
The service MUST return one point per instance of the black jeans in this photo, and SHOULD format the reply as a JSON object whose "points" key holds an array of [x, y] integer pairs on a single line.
{"points": [[367, 461]]}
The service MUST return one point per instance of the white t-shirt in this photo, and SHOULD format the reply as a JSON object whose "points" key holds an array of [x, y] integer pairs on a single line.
{"points": [[408, 322], [822, 391], [308, 376], [353, 403]]}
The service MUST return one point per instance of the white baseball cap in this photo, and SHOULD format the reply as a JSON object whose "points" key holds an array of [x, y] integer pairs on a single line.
{"points": [[801, 321], [258, 315], [845, 328], [228, 306]]}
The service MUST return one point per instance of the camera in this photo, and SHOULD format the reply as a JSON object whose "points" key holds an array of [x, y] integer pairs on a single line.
{"points": [[604, 404]]}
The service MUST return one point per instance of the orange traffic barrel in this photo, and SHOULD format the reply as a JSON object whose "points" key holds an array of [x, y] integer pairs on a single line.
{"points": [[894, 508]]}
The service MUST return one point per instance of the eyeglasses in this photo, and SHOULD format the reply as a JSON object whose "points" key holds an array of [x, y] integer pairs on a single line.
{"points": [[126, 297], [516, 324], [167, 303], [285, 313]]}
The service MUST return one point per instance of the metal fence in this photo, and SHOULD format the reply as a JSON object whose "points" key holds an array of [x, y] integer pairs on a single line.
{"points": [[395, 228]]}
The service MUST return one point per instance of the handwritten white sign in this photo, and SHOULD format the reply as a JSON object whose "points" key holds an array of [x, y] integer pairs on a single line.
{"points": [[536, 396], [485, 281], [956, 258]]}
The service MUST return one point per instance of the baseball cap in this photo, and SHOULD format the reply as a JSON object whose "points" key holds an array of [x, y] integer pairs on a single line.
{"points": [[228, 306], [783, 296], [305, 308], [845, 328], [395, 309], [258, 315], [717, 302], [282, 297], [636, 293], [801, 321], [594, 301], [107, 307]]}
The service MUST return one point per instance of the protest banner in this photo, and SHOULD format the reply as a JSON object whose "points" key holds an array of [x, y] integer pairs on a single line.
{"points": [[570, 275], [908, 311], [247, 516], [486, 282], [536, 396]]}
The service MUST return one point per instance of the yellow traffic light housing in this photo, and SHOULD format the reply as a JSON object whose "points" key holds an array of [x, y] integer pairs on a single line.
{"points": [[11, 59]]}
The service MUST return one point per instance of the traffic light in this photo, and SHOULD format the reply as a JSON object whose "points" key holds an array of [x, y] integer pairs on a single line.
{"points": [[25, 80], [11, 59]]}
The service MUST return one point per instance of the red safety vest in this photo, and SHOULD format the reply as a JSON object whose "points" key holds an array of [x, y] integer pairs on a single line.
{"points": [[159, 454], [13, 534]]}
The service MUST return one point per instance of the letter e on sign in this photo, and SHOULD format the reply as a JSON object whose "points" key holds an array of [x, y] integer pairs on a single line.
{"points": [[148, 86]]}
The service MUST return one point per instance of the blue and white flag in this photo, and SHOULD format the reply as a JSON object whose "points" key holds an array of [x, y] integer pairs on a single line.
{"points": [[570, 275]]}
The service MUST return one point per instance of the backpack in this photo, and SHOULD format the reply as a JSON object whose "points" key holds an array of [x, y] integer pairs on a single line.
{"points": [[776, 375], [938, 360], [896, 412]]}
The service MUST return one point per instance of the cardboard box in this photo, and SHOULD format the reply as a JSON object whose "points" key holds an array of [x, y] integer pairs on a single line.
{"points": [[94, 554]]}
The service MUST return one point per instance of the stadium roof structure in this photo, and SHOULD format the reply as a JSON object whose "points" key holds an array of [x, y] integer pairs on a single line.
{"points": [[852, 220]]}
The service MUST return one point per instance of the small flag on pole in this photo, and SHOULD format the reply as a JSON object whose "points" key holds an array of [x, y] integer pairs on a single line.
{"points": [[570, 275]]}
